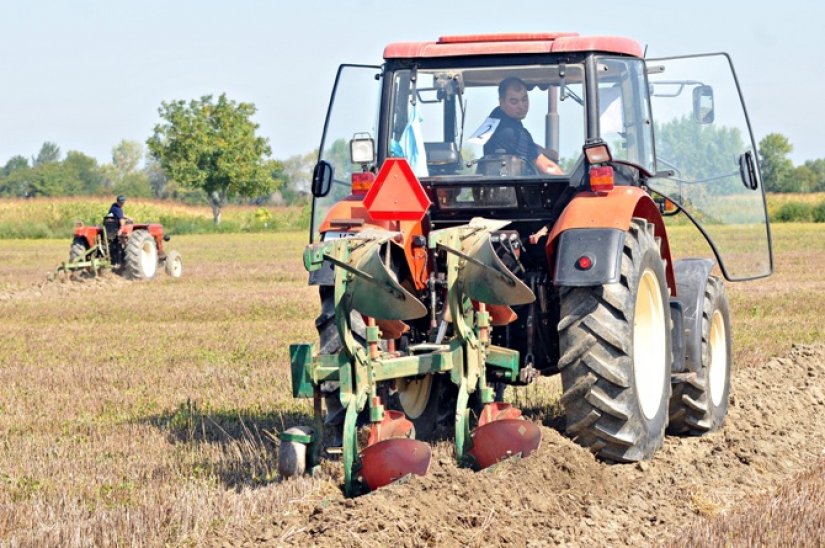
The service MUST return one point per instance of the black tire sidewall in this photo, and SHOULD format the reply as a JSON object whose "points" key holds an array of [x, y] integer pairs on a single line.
{"points": [[718, 302]]}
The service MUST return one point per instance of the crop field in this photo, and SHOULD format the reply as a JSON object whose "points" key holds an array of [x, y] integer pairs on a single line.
{"points": [[145, 413]]}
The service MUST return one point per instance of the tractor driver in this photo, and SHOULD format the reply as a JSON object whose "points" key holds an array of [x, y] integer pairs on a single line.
{"points": [[510, 135], [116, 211]]}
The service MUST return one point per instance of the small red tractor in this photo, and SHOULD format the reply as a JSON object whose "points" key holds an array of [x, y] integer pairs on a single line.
{"points": [[448, 268], [136, 252]]}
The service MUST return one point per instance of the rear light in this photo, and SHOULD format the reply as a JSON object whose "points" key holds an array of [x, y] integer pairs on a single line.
{"points": [[362, 182], [601, 179], [584, 263]]}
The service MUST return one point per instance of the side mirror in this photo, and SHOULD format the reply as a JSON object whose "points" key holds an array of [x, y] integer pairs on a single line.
{"points": [[747, 171], [703, 104], [322, 179]]}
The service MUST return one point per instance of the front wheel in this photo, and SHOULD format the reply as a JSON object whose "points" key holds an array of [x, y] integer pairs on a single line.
{"points": [[700, 403], [429, 402], [616, 354], [173, 264]]}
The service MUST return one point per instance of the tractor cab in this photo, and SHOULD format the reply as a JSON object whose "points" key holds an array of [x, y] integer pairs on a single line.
{"points": [[435, 104]]}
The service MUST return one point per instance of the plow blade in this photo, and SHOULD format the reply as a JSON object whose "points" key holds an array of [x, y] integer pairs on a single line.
{"points": [[392, 459], [374, 290], [502, 434], [483, 276], [393, 425]]}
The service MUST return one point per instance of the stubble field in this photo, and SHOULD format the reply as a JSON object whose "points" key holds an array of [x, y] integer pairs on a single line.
{"points": [[144, 413]]}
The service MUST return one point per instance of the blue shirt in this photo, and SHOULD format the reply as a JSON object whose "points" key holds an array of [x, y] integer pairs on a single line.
{"points": [[116, 211], [511, 137]]}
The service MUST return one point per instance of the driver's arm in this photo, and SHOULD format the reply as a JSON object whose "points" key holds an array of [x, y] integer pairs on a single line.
{"points": [[548, 166]]}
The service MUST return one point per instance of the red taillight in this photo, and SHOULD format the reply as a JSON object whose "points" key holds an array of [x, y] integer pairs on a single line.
{"points": [[584, 262], [362, 182], [601, 179]]}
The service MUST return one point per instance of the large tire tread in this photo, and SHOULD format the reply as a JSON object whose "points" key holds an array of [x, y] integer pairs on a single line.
{"points": [[692, 411], [134, 267], [596, 335]]}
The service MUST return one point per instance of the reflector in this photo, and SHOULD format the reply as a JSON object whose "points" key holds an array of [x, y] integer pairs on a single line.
{"points": [[601, 179]]}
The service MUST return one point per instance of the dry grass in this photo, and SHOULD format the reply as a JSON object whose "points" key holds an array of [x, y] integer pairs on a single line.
{"points": [[793, 515], [139, 413]]}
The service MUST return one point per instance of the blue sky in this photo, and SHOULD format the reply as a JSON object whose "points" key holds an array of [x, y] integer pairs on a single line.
{"points": [[87, 73]]}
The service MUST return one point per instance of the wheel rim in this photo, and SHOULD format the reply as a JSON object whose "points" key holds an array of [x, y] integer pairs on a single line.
{"points": [[649, 348], [414, 395], [148, 258], [718, 355]]}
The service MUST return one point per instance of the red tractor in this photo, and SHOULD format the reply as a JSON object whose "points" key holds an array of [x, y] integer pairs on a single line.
{"points": [[135, 253], [453, 258]]}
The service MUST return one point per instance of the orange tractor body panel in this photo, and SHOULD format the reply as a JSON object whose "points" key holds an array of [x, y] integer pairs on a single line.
{"points": [[613, 209]]}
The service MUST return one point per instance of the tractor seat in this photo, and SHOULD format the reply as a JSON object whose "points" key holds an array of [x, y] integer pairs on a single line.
{"points": [[112, 225], [442, 158]]}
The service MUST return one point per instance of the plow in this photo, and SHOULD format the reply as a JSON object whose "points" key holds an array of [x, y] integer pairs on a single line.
{"points": [[364, 282], [452, 263]]}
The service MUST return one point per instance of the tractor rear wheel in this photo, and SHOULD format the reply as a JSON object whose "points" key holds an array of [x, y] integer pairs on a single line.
{"points": [[141, 256], [78, 250], [700, 403], [616, 355]]}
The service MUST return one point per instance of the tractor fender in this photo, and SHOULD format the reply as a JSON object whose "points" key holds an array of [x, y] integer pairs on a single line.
{"points": [[691, 279], [88, 233], [593, 224]]}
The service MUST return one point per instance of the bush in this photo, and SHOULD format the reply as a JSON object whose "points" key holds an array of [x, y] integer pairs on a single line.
{"points": [[818, 213], [794, 212]]}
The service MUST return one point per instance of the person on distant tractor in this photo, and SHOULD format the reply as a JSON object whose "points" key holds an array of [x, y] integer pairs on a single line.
{"points": [[116, 211], [510, 135]]}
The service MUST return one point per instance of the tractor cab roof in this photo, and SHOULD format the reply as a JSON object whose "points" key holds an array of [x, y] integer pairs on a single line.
{"points": [[512, 44]]}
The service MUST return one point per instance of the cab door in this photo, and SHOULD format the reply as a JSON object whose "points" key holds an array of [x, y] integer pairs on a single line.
{"points": [[707, 160], [353, 109]]}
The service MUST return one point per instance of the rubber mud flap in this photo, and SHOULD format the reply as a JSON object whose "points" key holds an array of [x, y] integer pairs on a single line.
{"points": [[392, 459], [502, 439]]}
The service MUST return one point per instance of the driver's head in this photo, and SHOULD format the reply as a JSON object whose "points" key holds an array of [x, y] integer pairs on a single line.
{"points": [[121, 199], [512, 98]]}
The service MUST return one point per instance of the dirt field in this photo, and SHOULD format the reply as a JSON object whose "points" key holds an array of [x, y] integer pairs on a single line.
{"points": [[142, 413]]}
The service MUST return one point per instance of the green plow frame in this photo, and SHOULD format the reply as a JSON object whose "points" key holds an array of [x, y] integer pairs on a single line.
{"points": [[94, 259], [364, 282]]}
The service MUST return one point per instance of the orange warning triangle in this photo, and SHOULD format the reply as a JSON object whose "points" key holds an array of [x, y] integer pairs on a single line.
{"points": [[396, 194]]}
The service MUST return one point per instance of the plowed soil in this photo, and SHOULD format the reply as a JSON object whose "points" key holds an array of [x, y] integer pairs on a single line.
{"points": [[563, 495]]}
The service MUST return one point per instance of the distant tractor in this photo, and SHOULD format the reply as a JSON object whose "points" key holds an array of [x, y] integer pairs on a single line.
{"points": [[454, 255], [136, 253]]}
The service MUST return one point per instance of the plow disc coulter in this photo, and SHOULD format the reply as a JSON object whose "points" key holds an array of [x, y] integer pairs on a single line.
{"points": [[364, 282]]}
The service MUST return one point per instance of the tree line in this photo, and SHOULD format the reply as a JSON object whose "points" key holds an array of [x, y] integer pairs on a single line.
{"points": [[779, 174], [207, 151]]}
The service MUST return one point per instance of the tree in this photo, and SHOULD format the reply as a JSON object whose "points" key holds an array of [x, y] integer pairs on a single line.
{"points": [[777, 168], [297, 173], [85, 170], [126, 156], [157, 178], [49, 154], [818, 168], [15, 163], [212, 146]]}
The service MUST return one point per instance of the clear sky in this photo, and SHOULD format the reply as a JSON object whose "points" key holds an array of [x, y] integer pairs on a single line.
{"points": [[86, 74]]}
